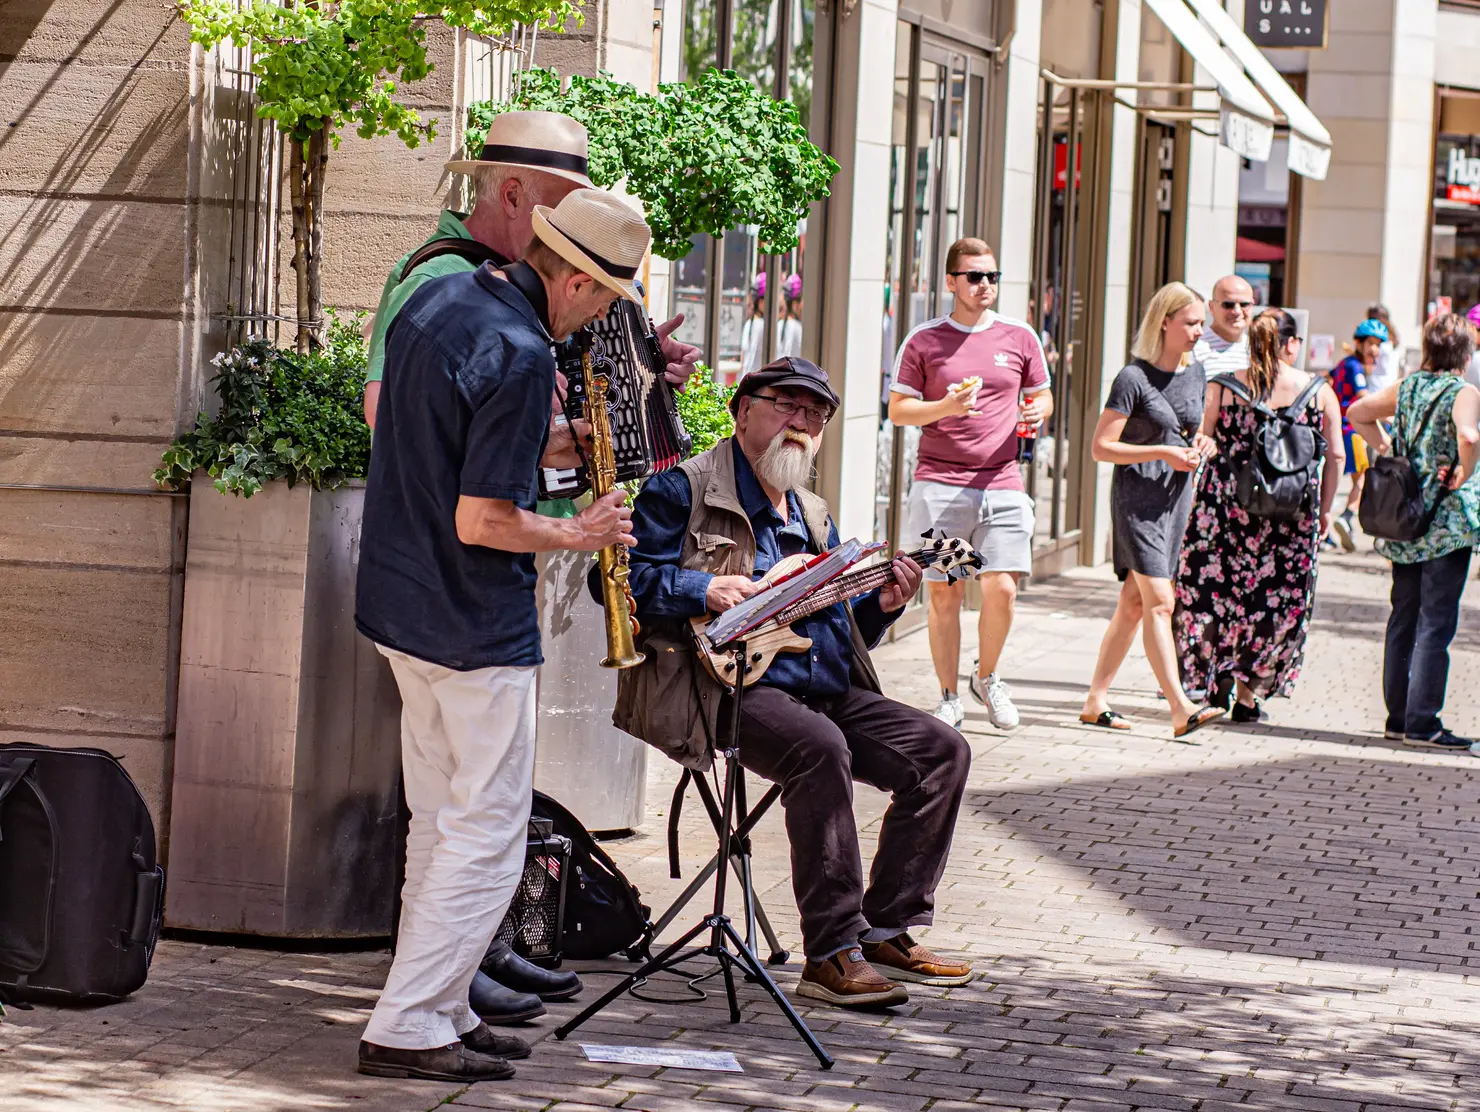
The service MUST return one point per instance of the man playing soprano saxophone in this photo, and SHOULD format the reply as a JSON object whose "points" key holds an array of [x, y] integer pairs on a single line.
{"points": [[446, 592]]}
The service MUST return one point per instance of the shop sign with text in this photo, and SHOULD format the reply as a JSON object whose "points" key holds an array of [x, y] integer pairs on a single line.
{"points": [[1286, 22], [1462, 177]]}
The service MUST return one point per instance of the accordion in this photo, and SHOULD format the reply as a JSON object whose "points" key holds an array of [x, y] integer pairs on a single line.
{"points": [[647, 433]]}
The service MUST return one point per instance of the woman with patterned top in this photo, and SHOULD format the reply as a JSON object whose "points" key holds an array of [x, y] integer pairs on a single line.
{"points": [[1438, 418], [1246, 584]]}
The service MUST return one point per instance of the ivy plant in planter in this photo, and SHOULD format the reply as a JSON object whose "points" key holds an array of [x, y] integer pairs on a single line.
{"points": [[323, 65], [284, 415], [703, 158]]}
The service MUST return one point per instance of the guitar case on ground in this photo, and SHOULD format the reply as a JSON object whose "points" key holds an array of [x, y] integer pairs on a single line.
{"points": [[81, 891]]}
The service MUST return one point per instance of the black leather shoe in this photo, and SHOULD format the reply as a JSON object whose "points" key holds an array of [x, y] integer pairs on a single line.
{"points": [[500, 1006], [453, 1062], [512, 971], [482, 1040]]}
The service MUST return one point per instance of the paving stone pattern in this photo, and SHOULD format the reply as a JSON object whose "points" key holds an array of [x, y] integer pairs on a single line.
{"points": [[1283, 917]]}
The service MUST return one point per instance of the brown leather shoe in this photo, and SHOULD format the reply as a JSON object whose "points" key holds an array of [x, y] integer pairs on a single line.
{"points": [[906, 959], [453, 1062], [482, 1039], [850, 982]]}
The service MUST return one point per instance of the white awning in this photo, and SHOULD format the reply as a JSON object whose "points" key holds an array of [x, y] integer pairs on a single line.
{"points": [[1246, 123], [1310, 142]]}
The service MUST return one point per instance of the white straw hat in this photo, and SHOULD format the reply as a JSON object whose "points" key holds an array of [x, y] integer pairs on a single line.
{"points": [[597, 234], [547, 141]]}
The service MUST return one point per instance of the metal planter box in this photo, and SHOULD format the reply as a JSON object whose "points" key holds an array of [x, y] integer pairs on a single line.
{"points": [[288, 740]]}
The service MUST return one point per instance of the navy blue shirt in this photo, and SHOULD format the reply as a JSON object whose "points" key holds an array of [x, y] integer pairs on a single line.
{"points": [[661, 589], [464, 409]]}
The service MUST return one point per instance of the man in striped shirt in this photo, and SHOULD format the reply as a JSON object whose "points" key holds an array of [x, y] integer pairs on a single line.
{"points": [[1224, 347]]}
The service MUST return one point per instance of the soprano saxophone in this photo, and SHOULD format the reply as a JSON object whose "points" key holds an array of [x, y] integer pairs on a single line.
{"points": [[616, 594]]}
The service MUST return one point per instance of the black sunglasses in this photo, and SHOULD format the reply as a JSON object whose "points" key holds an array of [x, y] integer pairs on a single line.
{"points": [[976, 276], [1231, 305]]}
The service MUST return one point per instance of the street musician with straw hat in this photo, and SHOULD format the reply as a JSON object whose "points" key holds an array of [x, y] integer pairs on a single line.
{"points": [[446, 593]]}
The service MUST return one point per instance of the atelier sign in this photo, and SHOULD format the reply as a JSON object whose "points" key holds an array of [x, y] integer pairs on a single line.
{"points": [[1286, 22]]}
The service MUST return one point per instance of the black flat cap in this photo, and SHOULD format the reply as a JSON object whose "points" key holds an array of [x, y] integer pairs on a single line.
{"points": [[788, 371]]}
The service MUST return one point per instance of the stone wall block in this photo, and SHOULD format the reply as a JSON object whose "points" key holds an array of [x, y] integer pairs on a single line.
{"points": [[90, 255], [103, 130], [93, 32], [39, 527], [51, 461], [65, 373], [85, 650]]}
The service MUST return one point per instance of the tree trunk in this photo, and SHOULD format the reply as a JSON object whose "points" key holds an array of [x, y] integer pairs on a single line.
{"points": [[318, 166], [296, 190], [307, 165]]}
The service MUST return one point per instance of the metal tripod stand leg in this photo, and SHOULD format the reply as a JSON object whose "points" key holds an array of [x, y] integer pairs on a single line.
{"points": [[725, 943]]}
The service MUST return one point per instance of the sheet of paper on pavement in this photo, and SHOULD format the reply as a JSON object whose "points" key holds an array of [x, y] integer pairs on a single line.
{"points": [[671, 1057]]}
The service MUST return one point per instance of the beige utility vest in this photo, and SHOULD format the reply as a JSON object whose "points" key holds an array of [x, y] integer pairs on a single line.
{"points": [[669, 700]]}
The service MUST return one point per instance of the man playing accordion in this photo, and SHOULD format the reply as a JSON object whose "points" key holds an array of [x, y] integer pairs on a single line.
{"points": [[815, 721]]}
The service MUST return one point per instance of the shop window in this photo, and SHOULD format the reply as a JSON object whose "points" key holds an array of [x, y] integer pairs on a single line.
{"points": [[743, 308], [934, 199]]}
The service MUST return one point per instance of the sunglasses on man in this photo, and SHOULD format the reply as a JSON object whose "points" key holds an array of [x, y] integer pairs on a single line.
{"points": [[976, 277], [1230, 306]]}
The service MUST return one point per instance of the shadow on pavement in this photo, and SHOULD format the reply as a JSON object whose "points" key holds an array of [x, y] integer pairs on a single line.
{"points": [[1336, 858]]}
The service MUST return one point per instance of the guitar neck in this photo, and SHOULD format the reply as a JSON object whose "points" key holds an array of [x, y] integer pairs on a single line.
{"points": [[846, 586]]}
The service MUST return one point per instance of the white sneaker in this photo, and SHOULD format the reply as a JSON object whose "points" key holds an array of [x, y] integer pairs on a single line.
{"points": [[950, 711], [1000, 711]]}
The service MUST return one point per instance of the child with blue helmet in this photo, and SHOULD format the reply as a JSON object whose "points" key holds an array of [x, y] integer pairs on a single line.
{"points": [[1349, 380]]}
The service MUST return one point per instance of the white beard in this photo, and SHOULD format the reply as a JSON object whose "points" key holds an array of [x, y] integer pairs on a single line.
{"points": [[783, 467]]}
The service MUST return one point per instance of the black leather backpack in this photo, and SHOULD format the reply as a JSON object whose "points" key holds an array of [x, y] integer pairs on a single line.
{"points": [[1281, 472], [1392, 506]]}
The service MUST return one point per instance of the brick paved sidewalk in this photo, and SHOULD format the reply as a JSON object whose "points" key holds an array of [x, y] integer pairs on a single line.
{"points": [[1280, 918]]}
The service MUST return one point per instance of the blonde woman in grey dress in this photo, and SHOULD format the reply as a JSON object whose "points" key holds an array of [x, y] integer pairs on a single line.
{"points": [[1149, 430]]}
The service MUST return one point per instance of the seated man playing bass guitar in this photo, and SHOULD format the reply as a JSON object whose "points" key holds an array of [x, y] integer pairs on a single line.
{"points": [[815, 720]]}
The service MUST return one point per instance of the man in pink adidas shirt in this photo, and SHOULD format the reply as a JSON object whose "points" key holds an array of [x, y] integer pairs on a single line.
{"points": [[968, 379]]}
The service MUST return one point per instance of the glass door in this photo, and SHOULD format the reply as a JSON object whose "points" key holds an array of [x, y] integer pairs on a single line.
{"points": [[934, 173], [1063, 304]]}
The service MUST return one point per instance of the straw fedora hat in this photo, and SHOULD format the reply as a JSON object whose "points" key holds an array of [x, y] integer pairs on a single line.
{"points": [[547, 141], [597, 234]]}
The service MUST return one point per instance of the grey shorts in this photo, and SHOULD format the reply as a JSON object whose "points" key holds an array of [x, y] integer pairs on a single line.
{"points": [[997, 523]]}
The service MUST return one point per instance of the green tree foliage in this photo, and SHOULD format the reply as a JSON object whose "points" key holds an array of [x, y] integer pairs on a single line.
{"points": [[703, 157], [705, 408], [283, 415], [324, 65]]}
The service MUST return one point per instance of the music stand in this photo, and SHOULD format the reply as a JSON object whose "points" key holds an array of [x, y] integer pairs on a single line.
{"points": [[725, 944]]}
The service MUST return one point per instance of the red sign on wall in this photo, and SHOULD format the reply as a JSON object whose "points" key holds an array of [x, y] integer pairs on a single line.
{"points": [[1061, 164]]}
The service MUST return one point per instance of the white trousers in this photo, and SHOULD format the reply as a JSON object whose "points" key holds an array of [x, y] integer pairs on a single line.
{"points": [[467, 751]]}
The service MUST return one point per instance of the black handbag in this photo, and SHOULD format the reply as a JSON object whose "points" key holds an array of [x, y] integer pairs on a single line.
{"points": [[81, 893], [1392, 506], [1279, 476]]}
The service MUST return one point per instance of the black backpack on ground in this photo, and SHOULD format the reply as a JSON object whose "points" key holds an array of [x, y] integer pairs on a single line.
{"points": [[1392, 506], [604, 912], [1281, 471], [81, 893]]}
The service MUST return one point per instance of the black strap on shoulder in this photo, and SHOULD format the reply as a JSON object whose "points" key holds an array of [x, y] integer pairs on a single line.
{"points": [[1405, 441], [1303, 398], [470, 249], [1231, 383]]}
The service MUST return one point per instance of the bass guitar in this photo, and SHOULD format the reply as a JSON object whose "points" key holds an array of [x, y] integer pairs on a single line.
{"points": [[775, 635]]}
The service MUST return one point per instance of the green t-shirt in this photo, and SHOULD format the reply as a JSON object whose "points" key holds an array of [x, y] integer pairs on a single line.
{"points": [[397, 292]]}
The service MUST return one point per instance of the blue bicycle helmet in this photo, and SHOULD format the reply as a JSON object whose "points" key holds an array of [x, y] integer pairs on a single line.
{"points": [[1371, 328]]}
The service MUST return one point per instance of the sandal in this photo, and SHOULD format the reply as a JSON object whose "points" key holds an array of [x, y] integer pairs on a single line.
{"points": [[1107, 720], [1203, 716]]}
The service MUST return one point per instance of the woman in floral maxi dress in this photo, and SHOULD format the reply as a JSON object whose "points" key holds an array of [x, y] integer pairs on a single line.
{"points": [[1246, 584]]}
